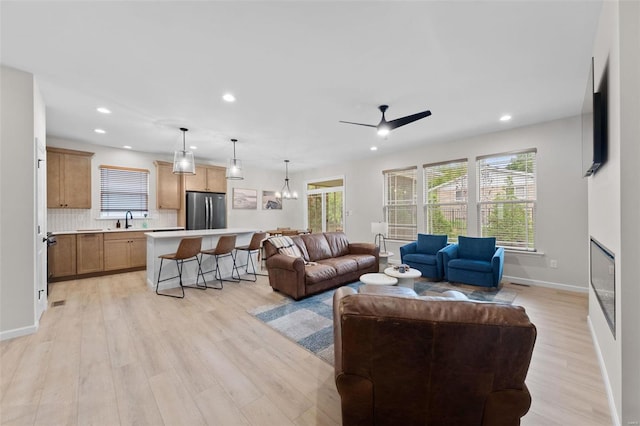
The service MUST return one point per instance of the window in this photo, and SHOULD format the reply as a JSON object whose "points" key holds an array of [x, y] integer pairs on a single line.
{"points": [[123, 189], [400, 205], [325, 205], [507, 199], [445, 198]]}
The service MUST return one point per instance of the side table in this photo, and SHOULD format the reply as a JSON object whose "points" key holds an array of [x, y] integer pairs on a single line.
{"points": [[384, 259], [405, 279]]}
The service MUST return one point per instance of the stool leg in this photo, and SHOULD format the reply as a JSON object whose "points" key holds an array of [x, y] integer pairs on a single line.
{"points": [[235, 268], [159, 280]]}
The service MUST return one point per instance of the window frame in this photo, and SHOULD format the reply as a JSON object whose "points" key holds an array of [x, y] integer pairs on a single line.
{"points": [[140, 210], [393, 207], [460, 200], [524, 206]]}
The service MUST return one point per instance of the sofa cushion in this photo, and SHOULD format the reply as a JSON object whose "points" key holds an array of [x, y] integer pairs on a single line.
{"points": [[303, 248], [430, 244], [317, 246], [342, 265], [364, 261], [318, 272], [470, 265], [424, 259], [338, 243], [476, 248]]}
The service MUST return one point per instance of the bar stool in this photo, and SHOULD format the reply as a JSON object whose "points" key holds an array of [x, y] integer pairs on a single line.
{"points": [[225, 247], [188, 251], [253, 247]]}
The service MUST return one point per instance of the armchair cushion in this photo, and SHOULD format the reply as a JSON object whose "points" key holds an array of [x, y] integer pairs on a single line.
{"points": [[430, 244], [476, 248]]}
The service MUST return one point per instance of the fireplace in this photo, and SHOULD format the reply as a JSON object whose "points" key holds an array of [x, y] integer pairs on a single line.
{"points": [[602, 274]]}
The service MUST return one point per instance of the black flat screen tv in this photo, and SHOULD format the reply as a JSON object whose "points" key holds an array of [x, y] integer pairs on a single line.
{"points": [[594, 124]]}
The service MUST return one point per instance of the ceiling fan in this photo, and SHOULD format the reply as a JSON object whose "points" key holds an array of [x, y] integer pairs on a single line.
{"points": [[384, 127]]}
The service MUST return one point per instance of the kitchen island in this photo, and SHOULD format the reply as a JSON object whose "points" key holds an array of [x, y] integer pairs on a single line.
{"points": [[159, 243]]}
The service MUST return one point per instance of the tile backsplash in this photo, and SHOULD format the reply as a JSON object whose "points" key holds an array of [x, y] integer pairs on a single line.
{"points": [[61, 220]]}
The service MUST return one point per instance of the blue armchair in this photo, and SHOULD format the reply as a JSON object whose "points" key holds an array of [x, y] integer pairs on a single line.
{"points": [[424, 255], [475, 261]]}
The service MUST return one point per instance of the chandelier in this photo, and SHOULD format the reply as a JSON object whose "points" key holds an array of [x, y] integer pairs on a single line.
{"points": [[286, 193]]}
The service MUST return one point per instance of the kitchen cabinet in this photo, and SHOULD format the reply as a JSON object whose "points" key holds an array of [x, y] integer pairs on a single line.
{"points": [[124, 250], [62, 256], [68, 179], [168, 186], [89, 257], [207, 179]]}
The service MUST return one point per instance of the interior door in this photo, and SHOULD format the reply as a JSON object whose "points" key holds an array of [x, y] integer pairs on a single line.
{"points": [[41, 228]]}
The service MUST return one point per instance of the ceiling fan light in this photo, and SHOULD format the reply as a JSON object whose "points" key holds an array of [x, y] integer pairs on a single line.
{"points": [[383, 131]]}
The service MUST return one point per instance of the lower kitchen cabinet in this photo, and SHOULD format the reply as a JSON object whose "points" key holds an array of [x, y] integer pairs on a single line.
{"points": [[123, 250], [62, 256], [89, 257]]}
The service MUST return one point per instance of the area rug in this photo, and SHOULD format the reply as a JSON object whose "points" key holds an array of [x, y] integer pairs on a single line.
{"points": [[309, 322]]}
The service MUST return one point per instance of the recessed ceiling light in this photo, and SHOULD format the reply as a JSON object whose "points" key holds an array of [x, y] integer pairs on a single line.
{"points": [[193, 147], [374, 148], [126, 147], [229, 97], [101, 131], [505, 117], [103, 110]]}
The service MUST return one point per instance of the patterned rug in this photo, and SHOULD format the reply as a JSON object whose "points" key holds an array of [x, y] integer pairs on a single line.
{"points": [[309, 322]]}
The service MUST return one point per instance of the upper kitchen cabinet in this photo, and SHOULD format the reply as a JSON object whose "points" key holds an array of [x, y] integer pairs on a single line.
{"points": [[68, 179], [168, 186], [207, 179]]}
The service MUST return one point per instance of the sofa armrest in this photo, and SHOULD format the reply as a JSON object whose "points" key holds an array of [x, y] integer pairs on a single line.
{"points": [[337, 326], [497, 264], [282, 261], [445, 255], [506, 407], [408, 249]]}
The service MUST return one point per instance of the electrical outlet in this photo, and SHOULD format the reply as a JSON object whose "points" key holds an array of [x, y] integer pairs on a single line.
{"points": [[553, 263]]}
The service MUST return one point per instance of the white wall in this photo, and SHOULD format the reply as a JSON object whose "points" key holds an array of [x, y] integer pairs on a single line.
{"points": [[613, 203], [60, 220], [20, 104], [561, 228]]}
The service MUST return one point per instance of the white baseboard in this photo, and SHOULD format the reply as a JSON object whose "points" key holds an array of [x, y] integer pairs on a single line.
{"points": [[538, 283], [18, 332], [605, 376]]}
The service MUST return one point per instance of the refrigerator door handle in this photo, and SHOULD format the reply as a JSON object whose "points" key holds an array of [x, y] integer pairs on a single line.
{"points": [[206, 213]]}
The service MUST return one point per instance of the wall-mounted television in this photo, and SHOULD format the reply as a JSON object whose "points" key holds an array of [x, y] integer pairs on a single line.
{"points": [[594, 124]]}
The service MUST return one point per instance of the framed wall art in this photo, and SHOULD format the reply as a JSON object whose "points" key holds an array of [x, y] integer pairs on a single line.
{"points": [[270, 201], [246, 199]]}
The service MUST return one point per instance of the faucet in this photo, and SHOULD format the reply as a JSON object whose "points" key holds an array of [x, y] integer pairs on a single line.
{"points": [[126, 219]]}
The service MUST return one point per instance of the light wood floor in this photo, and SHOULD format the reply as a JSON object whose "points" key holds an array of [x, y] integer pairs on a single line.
{"points": [[115, 353]]}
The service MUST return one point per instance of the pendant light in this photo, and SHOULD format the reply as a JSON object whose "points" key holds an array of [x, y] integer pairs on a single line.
{"points": [[285, 193], [234, 168], [183, 162]]}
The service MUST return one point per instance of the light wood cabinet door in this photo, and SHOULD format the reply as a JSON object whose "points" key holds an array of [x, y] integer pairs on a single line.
{"points": [[89, 255], [123, 250], [138, 252], [62, 257], [167, 186], [207, 179], [216, 179], [68, 179]]}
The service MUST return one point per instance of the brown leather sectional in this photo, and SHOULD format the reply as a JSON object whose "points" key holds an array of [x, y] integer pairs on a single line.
{"points": [[335, 262], [427, 361]]}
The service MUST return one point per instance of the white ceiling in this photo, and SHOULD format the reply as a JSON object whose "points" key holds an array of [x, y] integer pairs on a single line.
{"points": [[296, 69]]}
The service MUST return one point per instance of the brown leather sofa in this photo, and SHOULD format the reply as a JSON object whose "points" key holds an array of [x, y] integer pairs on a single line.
{"points": [[336, 261], [411, 361]]}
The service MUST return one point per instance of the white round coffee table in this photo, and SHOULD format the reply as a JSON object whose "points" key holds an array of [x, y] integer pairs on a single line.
{"points": [[405, 279], [378, 279]]}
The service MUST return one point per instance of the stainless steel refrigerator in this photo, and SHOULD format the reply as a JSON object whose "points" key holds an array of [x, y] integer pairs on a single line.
{"points": [[206, 210]]}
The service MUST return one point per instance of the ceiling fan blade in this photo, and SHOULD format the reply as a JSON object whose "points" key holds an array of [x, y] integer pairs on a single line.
{"points": [[358, 124], [398, 122]]}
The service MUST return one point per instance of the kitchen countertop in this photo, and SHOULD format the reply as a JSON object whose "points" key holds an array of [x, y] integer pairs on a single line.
{"points": [[198, 233], [109, 230]]}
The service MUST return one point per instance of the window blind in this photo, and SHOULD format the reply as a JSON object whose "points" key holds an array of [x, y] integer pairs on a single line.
{"points": [[400, 198], [445, 198], [123, 189], [507, 198]]}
